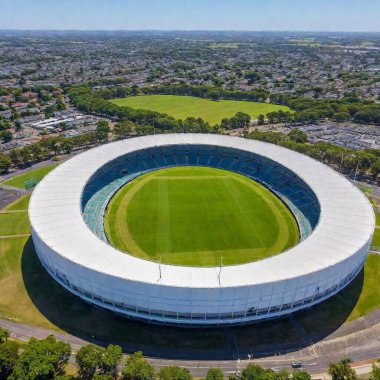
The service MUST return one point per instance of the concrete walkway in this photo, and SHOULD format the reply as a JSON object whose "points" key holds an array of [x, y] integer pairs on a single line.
{"points": [[359, 340]]}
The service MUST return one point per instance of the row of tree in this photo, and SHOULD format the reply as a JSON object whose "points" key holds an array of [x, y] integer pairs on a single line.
{"points": [[342, 159], [348, 108], [53, 146], [89, 101], [199, 91], [306, 110], [346, 160], [146, 121], [48, 358]]}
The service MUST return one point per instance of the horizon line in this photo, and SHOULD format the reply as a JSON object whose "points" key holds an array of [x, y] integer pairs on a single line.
{"points": [[190, 30]]}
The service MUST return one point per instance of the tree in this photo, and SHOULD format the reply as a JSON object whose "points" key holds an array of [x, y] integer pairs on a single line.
{"points": [[102, 130], [242, 119], [174, 373], [342, 370], [4, 335], [5, 163], [213, 94], [88, 359], [375, 373], [297, 136], [282, 375], [260, 119], [64, 126], [137, 368], [123, 129], [341, 116], [252, 372], [301, 375], [110, 359], [214, 374], [252, 76], [8, 358], [67, 145], [375, 169], [272, 117], [6, 136], [42, 359], [18, 126], [255, 372]]}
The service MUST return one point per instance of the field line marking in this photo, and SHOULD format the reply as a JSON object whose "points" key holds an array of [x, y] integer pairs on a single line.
{"points": [[120, 222], [174, 177], [283, 234], [12, 211], [13, 236]]}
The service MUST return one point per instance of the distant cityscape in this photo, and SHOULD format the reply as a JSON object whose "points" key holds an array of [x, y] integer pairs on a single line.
{"points": [[36, 67]]}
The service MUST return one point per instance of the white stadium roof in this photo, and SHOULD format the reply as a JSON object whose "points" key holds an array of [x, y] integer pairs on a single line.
{"points": [[346, 219]]}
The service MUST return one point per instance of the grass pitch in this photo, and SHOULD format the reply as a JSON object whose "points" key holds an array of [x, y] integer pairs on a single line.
{"points": [[199, 216], [182, 107], [29, 295], [38, 174]]}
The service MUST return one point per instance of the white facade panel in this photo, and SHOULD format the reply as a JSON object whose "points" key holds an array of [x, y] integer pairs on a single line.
{"points": [[315, 269]]}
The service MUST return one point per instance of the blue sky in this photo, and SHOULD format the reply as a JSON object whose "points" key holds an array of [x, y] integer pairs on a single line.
{"points": [[303, 15]]}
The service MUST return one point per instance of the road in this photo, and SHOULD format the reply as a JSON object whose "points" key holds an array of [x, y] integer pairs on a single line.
{"points": [[360, 341]]}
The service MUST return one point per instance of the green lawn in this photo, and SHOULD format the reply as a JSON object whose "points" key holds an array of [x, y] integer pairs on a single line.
{"points": [[29, 295], [14, 223], [377, 214], [38, 174], [376, 235], [21, 204], [182, 107], [365, 189], [376, 238], [359, 298], [196, 216]]}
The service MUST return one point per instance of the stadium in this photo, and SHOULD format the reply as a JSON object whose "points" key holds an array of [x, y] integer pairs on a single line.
{"points": [[335, 225]]}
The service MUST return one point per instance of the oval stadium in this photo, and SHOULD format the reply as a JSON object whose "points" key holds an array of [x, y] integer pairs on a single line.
{"points": [[306, 237]]}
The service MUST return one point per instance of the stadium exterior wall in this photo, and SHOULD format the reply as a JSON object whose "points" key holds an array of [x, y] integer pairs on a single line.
{"points": [[301, 277]]}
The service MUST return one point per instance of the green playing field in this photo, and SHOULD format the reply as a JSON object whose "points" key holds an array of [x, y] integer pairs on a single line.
{"points": [[182, 107], [199, 216]]}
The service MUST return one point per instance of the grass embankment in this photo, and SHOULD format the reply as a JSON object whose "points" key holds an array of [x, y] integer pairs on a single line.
{"points": [[211, 111], [38, 174], [199, 216], [376, 235], [29, 295]]}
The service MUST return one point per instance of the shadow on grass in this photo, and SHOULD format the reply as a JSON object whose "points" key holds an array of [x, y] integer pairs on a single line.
{"points": [[78, 318], [301, 329]]}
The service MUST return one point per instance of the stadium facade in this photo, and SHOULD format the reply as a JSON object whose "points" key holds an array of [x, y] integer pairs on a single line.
{"points": [[336, 224]]}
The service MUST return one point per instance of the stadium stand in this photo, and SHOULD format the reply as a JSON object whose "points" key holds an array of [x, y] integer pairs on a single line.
{"points": [[291, 189]]}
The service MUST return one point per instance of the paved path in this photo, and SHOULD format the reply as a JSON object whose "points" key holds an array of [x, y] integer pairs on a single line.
{"points": [[359, 340]]}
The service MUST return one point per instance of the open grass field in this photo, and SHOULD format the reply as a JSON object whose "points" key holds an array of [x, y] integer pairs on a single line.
{"points": [[376, 238], [199, 216], [29, 295], [182, 107], [38, 174], [376, 235]]}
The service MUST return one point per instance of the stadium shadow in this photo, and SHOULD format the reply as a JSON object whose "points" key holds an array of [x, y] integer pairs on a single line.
{"points": [[74, 316]]}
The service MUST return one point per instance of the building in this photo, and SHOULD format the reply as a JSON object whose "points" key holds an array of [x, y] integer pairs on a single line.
{"points": [[335, 219]]}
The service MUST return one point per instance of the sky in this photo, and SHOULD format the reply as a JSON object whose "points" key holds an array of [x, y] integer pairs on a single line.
{"points": [[250, 15]]}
